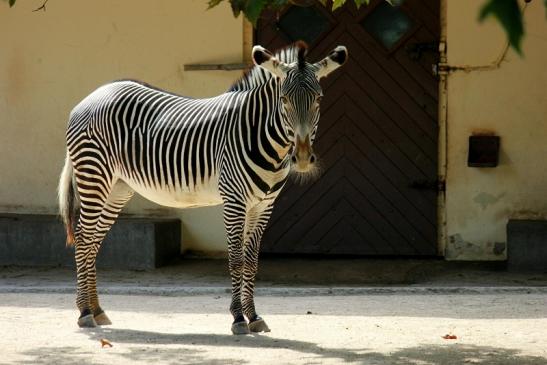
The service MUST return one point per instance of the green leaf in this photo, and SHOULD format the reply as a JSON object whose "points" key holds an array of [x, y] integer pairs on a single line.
{"points": [[11, 3], [509, 15], [395, 2], [237, 6], [337, 3], [254, 8], [213, 3], [358, 3]]}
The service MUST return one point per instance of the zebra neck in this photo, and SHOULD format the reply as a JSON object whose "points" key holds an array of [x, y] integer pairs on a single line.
{"points": [[266, 138], [277, 134]]}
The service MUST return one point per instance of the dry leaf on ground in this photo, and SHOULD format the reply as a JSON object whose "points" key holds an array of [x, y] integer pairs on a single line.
{"points": [[450, 337], [105, 342]]}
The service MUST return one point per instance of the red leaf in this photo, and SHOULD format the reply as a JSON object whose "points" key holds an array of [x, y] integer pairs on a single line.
{"points": [[450, 337], [105, 342]]}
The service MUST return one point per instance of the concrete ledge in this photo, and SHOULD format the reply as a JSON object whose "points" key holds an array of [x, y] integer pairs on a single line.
{"points": [[527, 245], [132, 243]]}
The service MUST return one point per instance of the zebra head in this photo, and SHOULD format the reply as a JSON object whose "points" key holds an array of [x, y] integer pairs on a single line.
{"points": [[299, 95]]}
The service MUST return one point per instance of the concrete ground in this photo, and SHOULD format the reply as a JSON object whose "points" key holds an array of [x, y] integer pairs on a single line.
{"points": [[320, 312]]}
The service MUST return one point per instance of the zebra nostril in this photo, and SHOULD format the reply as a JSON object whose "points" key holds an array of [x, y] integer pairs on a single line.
{"points": [[312, 158], [293, 158]]}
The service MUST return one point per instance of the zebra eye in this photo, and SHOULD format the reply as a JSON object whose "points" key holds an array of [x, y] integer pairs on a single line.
{"points": [[284, 100], [318, 99]]}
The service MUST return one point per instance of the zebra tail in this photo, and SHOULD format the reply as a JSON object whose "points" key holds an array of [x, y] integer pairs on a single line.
{"points": [[67, 200]]}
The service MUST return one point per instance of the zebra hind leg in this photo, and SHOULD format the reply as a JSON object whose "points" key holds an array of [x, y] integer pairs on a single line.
{"points": [[94, 183], [121, 193], [84, 246]]}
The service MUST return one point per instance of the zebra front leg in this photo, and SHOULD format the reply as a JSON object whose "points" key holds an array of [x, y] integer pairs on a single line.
{"points": [[257, 221], [256, 323], [234, 221]]}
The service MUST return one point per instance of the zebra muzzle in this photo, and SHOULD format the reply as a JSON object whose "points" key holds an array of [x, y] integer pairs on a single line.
{"points": [[303, 157]]}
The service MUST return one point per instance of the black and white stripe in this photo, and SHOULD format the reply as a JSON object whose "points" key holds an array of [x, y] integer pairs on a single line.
{"points": [[234, 149]]}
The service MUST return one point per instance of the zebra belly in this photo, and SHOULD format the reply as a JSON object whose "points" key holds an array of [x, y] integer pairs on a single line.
{"points": [[201, 196]]}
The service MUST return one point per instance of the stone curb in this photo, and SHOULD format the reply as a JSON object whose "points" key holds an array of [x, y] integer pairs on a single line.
{"points": [[285, 291]]}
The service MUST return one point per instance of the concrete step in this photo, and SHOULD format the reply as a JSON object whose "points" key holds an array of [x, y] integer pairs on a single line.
{"points": [[132, 243], [527, 245]]}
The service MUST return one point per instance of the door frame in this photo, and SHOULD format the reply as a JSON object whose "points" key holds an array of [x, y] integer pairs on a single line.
{"points": [[443, 135]]}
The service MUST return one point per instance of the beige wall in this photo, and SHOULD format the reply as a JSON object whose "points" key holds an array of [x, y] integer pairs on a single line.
{"points": [[50, 60], [511, 102]]}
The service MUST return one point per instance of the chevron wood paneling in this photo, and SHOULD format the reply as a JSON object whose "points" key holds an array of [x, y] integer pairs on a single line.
{"points": [[377, 135]]}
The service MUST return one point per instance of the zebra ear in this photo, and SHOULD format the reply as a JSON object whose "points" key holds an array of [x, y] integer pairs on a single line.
{"points": [[266, 60], [335, 59]]}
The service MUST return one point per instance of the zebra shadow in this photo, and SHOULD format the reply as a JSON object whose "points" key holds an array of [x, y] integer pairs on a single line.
{"points": [[256, 341], [434, 354]]}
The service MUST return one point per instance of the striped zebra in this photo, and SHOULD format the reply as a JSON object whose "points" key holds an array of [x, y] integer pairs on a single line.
{"points": [[235, 149]]}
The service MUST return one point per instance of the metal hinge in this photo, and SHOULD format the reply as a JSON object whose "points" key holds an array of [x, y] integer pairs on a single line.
{"points": [[434, 185], [441, 69]]}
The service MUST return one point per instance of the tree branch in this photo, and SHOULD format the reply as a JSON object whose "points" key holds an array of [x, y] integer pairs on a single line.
{"points": [[43, 7]]}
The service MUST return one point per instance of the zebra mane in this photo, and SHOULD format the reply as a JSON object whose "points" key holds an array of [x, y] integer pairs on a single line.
{"points": [[257, 76]]}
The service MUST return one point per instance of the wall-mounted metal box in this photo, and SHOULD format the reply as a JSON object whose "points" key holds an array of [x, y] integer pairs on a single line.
{"points": [[483, 151]]}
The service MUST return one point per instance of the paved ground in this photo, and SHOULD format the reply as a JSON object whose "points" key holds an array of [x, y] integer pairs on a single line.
{"points": [[320, 312], [397, 329]]}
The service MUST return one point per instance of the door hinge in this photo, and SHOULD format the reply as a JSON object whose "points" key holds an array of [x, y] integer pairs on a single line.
{"points": [[433, 185], [442, 69]]}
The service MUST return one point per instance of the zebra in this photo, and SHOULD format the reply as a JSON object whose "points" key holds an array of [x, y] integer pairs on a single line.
{"points": [[236, 149]]}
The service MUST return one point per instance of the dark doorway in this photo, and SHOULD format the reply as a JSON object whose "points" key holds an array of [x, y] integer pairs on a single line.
{"points": [[377, 139]]}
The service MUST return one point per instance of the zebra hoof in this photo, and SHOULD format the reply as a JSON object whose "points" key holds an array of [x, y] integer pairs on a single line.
{"points": [[240, 328], [258, 325], [102, 319], [87, 321]]}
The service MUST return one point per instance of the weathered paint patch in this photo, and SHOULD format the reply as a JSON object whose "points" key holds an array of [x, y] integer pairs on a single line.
{"points": [[486, 199], [460, 249]]}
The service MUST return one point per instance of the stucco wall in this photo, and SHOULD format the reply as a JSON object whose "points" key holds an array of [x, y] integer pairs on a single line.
{"points": [[510, 102], [50, 60]]}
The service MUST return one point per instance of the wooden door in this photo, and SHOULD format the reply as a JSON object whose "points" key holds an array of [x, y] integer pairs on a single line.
{"points": [[377, 139]]}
